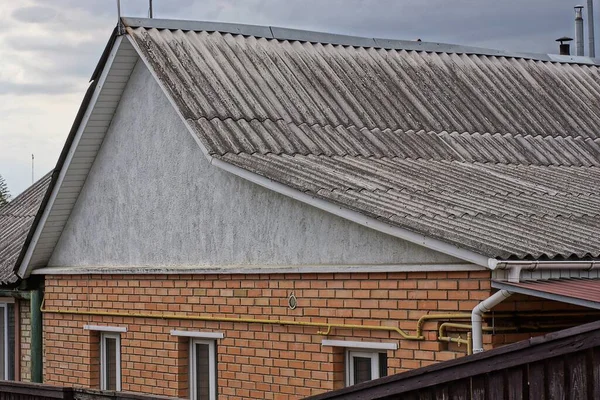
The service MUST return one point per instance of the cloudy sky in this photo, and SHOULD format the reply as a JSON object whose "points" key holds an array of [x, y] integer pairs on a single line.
{"points": [[49, 48]]}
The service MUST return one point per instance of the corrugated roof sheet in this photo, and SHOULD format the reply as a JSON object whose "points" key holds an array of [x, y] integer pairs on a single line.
{"points": [[572, 290], [496, 154], [16, 219]]}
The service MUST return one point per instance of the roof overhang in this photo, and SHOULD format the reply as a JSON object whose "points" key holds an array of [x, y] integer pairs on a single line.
{"points": [[85, 139], [581, 292]]}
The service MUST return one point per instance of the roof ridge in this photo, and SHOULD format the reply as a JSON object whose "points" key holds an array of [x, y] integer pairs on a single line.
{"points": [[291, 34]]}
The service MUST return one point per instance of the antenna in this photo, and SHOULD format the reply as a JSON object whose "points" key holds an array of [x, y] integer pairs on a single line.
{"points": [[32, 169], [591, 34], [150, 8], [120, 28]]}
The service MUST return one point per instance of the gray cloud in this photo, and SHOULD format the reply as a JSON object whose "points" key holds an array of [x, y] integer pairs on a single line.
{"points": [[53, 45], [35, 14], [511, 24], [50, 88]]}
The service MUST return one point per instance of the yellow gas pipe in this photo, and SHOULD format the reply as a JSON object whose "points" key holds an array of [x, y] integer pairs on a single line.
{"points": [[324, 325]]}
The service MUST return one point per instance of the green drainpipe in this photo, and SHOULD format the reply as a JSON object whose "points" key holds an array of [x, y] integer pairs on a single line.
{"points": [[35, 303]]}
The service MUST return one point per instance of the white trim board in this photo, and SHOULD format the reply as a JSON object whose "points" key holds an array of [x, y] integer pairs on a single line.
{"points": [[102, 328], [360, 345], [258, 269], [198, 335]]}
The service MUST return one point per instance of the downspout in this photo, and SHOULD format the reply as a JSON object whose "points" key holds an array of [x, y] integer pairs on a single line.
{"points": [[35, 303], [486, 306], [514, 268]]}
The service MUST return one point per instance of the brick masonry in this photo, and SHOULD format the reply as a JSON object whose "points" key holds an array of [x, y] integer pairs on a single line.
{"points": [[255, 360], [25, 322]]}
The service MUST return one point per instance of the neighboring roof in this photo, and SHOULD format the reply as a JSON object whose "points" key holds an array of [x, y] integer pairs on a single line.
{"points": [[16, 219], [495, 154], [579, 291]]}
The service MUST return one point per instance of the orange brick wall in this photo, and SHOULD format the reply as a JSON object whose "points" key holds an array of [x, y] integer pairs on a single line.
{"points": [[25, 339], [254, 360]]}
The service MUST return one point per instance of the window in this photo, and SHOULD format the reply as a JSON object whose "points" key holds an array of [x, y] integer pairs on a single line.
{"points": [[362, 366], [7, 341], [364, 360], [110, 361], [202, 362], [203, 366]]}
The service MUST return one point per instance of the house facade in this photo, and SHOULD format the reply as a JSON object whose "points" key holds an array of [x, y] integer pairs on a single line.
{"points": [[253, 212]]}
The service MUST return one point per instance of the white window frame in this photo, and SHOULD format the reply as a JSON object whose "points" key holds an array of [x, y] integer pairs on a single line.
{"points": [[373, 355], [212, 367], [4, 305], [103, 336]]}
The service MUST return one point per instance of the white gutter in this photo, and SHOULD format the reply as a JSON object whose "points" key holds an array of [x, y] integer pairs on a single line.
{"points": [[514, 272], [535, 265]]}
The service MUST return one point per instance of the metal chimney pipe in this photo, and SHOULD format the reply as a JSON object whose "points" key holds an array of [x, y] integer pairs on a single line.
{"points": [[591, 35], [578, 31], [565, 48]]}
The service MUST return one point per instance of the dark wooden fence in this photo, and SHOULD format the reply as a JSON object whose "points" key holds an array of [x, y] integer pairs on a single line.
{"points": [[35, 391], [560, 365]]}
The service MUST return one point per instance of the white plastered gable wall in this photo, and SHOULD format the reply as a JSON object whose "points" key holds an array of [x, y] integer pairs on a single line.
{"points": [[152, 199]]}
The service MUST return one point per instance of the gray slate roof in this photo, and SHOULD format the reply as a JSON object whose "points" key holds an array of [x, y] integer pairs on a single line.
{"points": [[499, 155], [16, 219]]}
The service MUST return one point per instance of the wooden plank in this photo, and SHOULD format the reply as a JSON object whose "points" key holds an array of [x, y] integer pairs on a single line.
{"points": [[460, 390], [425, 394], [536, 379], [594, 372], [478, 388], [441, 392], [411, 396], [495, 386], [33, 390], [576, 375], [555, 378], [514, 383]]}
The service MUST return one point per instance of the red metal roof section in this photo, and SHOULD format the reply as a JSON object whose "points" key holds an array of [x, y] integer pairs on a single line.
{"points": [[576, 288]]}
